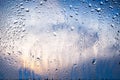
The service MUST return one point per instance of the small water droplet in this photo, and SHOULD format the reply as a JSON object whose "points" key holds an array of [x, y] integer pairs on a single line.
{"points": [[114, 16], [101, 3], [112, 25], [45, 0], [21, 7], [106, 0], [64, 9], [19, 53], [38, 58], [21, 4], [8, 53], [23, 30], [117, 14], [116, 38], [72, 28], [92, 10], [41, 3], [98, 9], [111, 7], [71, 16], [27, 10], [75, 64], [70, 6], [54, 33], [94, 61], [33, 0], [15, 21], [56, 69], [89, 5], [76, 13]]}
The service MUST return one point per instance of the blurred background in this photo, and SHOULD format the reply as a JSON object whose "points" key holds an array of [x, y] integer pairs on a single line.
{"points": [[59, 39]]}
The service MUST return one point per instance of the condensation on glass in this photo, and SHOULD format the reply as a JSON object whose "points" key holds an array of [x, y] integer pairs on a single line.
{"points": [[59, 39]]}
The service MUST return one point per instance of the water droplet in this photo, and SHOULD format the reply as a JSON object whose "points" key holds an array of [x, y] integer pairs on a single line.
{"points": [[112, 25], [54, 33], [106, 0], [45, 0], [83, 1], [117, 14], [72, 28], [15, 21], [33, 0], [94, 61], [64, 9], [70, 6], [98, 9], [27, 10], [115, 2], [74, 66], [8, 53], [90, 5], [116, 38], [21, 4], [21, 7], [71, 16], [19, 53], [38, 58], [92, 10], [41, 2], [101, 3], [56, 69], [76, 12], [23, 30], [111, 7], [114, 16]]}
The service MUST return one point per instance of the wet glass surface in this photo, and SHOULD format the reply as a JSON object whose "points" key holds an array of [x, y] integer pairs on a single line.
{"points": [[60, 39]]}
